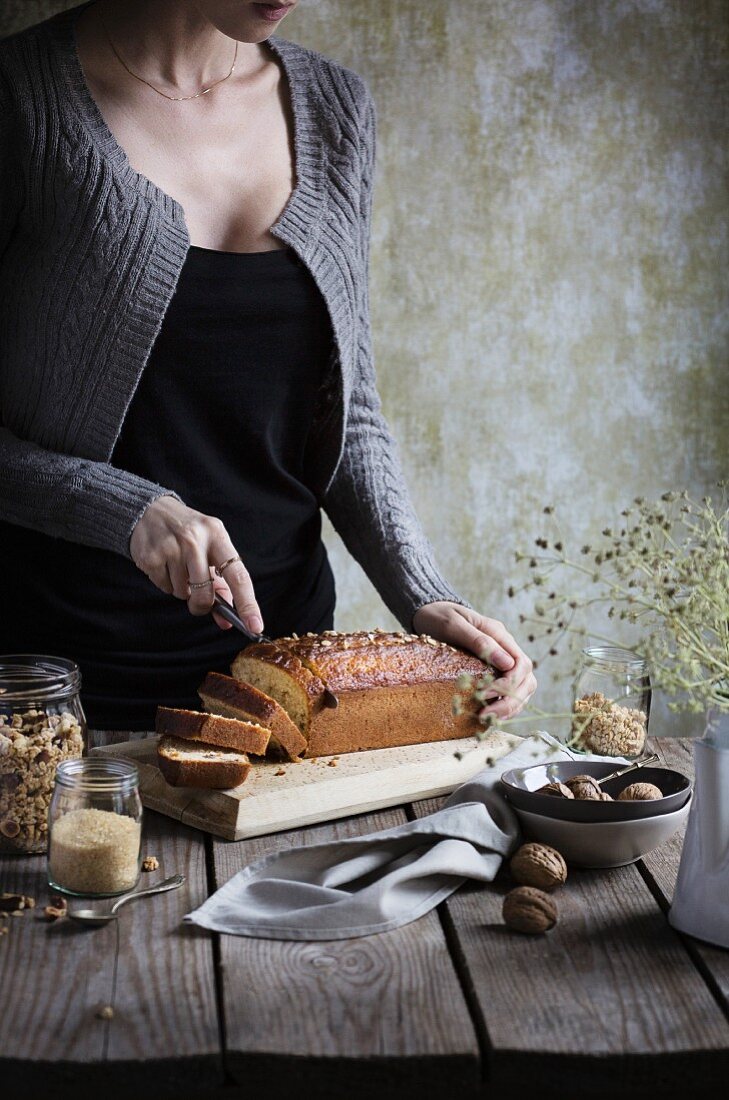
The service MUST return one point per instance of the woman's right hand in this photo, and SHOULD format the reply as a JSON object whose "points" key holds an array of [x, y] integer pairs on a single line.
{"points": [[173, 544]]}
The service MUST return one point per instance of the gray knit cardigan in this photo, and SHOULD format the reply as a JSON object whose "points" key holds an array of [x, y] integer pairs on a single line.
{"points": [[90, 253]]}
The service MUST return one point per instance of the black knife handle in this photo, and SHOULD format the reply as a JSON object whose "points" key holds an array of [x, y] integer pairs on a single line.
{"points": [[230, 614]]}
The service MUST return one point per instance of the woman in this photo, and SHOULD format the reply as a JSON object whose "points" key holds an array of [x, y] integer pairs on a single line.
{"points": [[187, 375]]}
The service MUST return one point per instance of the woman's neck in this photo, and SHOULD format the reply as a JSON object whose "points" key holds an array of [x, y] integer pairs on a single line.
{"points": [[170, 43]]}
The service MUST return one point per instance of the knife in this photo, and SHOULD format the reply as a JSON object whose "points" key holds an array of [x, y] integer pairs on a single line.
{"points": [[231, 615]]}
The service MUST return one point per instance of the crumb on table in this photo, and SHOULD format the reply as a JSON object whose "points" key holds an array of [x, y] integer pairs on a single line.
{"points": [[150, 863]]}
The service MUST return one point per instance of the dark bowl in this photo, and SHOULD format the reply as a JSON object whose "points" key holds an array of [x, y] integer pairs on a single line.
{"points": [[520, 787]]}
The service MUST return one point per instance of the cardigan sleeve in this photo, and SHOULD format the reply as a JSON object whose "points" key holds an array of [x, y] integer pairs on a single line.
{"points": [[84, 501], [368, 501], [58, 494]]}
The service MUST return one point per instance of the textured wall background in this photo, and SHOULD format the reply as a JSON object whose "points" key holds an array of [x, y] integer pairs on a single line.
{"points": [[548, 266]]}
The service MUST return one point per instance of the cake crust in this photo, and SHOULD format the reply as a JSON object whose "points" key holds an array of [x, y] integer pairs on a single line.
{"points": [[228, 696], [393, 688], [209, 767], [213, 729]]}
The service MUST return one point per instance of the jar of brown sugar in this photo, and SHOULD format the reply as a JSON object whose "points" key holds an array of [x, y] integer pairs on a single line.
{"points": [[42, 724], [95, 828], [611, 703]]}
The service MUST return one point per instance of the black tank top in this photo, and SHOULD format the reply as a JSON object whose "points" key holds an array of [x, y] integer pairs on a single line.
{"points": [[222, 415]]}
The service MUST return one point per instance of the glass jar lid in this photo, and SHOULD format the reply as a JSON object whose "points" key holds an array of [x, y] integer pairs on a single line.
{"points": [[610, 658], [28, 676], [94, 775]]}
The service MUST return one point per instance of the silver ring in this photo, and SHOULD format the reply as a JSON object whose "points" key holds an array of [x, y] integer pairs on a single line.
{"points": [[219, 568], [200, 584]]}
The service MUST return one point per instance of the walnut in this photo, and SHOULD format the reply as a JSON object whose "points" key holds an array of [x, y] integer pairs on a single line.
{"points": [[528, 910], [557, 790], [538, 865], [639, 792], [150, 863], [584, 787]]}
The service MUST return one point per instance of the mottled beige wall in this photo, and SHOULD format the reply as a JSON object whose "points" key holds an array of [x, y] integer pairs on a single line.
{"points": [[548, 266]]}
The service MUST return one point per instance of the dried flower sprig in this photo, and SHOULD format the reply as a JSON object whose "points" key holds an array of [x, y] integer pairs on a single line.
{"points": [[664, 567], [667, 569]]}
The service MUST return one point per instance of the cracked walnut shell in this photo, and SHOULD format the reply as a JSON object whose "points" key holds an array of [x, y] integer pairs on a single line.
{"points": [[528, 910], [538, 865], [585, 787], [556, 789], [639, 792]]}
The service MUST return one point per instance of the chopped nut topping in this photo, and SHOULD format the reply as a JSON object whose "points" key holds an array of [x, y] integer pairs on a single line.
{"points": [[55, 912], [150, 863], [9, 902], [32, 743]]}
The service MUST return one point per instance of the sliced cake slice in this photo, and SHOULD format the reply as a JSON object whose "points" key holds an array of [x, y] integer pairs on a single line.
{"points": [[230, 697], [187, 764], [278, 673], [213, 729]]}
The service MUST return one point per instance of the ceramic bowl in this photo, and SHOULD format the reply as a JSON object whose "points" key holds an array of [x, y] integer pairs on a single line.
{"points": [[520, 786], [603, 843]]}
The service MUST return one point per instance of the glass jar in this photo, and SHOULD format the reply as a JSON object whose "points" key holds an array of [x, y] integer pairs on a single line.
{"points": [[42, 723], [611, 703], [95, 828]]}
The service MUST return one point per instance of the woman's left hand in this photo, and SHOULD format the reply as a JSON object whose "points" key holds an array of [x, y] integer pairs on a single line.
{"points": [[490, 640]]}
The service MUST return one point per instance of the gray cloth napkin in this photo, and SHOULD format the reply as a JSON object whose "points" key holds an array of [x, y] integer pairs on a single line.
{"points": [[374, 883]]}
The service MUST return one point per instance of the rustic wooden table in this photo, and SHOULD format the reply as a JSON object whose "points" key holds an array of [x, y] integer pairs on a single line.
{"points": [[451, 1005]]}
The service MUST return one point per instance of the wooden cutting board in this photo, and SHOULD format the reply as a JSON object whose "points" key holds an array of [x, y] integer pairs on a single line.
{"points": [[314, 790]]}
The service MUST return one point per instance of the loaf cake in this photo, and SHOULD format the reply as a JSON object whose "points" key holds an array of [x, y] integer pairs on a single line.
{"points": [[213, 729], [227, 696], [393, 688], [187, 764]]}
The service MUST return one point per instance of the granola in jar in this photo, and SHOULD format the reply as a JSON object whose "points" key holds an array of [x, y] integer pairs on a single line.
{"points": [[611, 703], [41, 724]]}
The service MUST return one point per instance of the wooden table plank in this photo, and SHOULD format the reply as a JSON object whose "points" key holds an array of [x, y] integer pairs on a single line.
{"points": [[610, 998], [164, 1034], [661, 868], [381, 1013]]}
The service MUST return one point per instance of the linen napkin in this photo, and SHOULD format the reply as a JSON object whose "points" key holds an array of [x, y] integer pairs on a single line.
{"points": [[374, 883]]}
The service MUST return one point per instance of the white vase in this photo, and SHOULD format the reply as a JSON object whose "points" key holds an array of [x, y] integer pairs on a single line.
{"points": [[701, 898]]}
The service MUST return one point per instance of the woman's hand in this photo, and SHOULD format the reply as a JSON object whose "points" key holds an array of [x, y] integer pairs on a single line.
{"points": [[173, 544], [488, 639]]}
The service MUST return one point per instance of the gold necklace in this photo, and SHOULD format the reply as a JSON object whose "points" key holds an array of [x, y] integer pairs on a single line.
{"points": [[174, 98]]}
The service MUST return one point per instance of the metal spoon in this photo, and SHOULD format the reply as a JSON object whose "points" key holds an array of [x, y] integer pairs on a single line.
{"points": [[652, 759], [92, 918]]}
